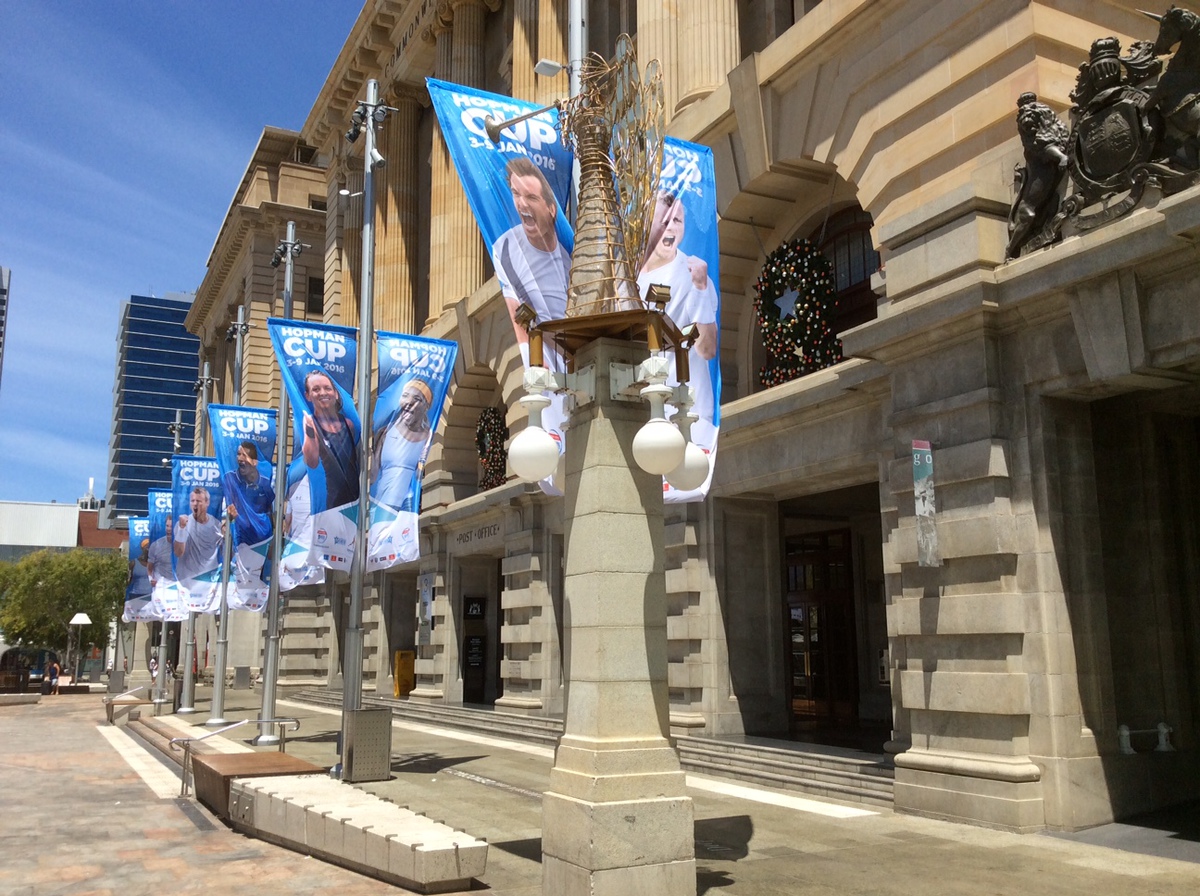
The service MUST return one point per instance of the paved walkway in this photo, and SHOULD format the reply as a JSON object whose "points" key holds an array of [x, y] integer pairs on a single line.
{"points": [[85, 810]]}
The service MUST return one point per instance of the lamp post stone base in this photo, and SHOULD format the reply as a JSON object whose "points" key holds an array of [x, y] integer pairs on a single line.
{"points": [[642, 880], [616, 819]]}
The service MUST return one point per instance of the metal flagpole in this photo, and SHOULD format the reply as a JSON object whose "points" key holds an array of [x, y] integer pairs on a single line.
{"points": [[159, 693], [287, 250], [217, 716], [369, 112], [187, 700]]}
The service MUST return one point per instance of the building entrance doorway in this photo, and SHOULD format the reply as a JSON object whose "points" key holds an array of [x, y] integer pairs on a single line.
{"points": [[479, 646], [821, 627]]}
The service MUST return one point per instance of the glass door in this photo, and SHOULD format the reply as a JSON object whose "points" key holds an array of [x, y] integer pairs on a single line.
{"points": [[820, 603]]}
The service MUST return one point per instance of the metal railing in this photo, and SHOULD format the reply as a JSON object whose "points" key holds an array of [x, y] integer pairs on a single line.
{"points": [[1162, 729], [282, 723], [187, 751], [116, 697], [187, 742]]}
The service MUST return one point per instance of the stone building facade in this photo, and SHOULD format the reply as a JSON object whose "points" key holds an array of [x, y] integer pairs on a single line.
{"points": [[1058, 391]]}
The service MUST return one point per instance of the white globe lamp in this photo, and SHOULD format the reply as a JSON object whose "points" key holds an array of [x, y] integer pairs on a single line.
{"points": [[658, 446], [691, 473], [533, 453]]}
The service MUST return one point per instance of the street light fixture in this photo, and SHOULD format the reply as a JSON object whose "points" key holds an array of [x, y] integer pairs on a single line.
{"points": [[615, 765], [549, 68], [78, 620], [356, 763]]}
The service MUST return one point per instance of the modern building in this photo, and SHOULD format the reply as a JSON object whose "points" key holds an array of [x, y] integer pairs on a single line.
{"points": [[29, 526], [5, 285], [1022, 682], [155, 378]]}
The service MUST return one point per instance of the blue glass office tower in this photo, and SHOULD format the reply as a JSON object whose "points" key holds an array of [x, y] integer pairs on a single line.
{"points": [[156, 376]]}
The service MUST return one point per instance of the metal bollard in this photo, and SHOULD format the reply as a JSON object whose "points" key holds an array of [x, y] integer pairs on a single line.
{"points": [[1164, 738]]}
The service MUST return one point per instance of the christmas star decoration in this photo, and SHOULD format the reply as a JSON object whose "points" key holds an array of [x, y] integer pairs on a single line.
{"points": [[787, 303]]}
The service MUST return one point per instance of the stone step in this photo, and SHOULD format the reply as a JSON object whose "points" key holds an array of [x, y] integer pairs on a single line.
{"points": [[812, 769], [865, 778], [527, 729]]}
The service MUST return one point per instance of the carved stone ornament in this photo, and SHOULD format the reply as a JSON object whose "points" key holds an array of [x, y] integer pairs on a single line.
{"points": [[1133, 126]]}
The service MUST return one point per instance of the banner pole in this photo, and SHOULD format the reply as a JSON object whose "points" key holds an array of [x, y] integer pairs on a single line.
{"points": [[270, 677], [217, 716], [187, 694], [353, 657]]}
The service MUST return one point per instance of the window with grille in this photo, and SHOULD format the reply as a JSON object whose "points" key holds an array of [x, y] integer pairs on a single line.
{"points": [[853, 257]]}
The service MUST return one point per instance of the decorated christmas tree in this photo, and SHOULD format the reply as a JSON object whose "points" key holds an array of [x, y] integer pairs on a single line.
{"points": [[794, 302]]}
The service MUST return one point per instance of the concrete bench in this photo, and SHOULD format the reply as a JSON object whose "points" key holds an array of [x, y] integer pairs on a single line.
{"points": [[213, 773], [126, 700], [334, 821], [16, 699]]}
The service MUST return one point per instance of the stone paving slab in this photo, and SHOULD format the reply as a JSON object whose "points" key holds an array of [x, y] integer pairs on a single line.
{"points": [[78, 820]]}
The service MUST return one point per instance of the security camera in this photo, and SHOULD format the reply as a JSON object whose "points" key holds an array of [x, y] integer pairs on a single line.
{"points": [[377, 161]]}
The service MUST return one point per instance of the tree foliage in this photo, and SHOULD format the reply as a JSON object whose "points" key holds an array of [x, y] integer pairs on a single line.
{"points": [[42, 591]]}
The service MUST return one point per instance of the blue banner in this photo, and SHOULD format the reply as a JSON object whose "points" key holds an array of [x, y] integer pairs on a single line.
{"points": [[244, 443], [198, 537], [160, 563], [414, 376], [481, 164], [138, 604], [318, 364], [517, 189], [683, 253]]}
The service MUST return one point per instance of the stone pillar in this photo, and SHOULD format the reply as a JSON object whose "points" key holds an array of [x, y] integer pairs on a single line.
{"points": [[708, 49], [524, 49], [442, 180], [552, 44], [139, 672], [464, 242], [258, 359], [396, 219], [616, 818], [456, 248], [657, 37]]}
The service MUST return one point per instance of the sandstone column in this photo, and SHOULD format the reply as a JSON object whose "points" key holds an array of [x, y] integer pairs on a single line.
{"points": [[456, 249], [524, 52], [708, 48], [396, 221], [552, 44], [442, 178], [657, 34]]}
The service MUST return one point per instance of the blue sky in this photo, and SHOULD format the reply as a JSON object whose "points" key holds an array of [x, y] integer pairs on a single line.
{"points": [[125, 127]]}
